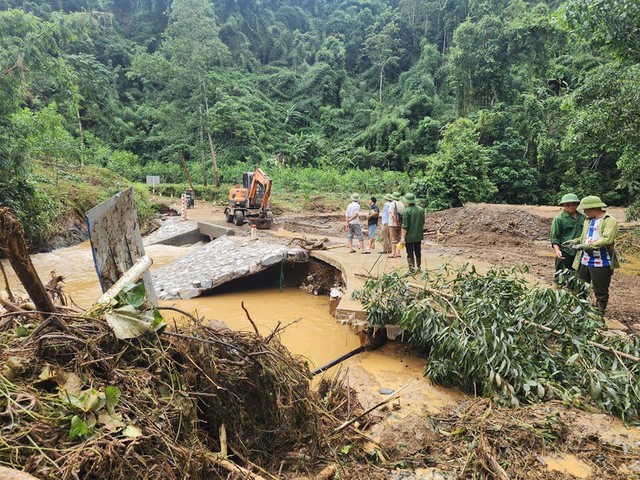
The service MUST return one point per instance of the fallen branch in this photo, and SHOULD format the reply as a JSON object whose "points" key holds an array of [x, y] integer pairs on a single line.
{"points": [[526, 322], [13, 246], [6, 282], [386, 400], [487, 453], [253, 324]]}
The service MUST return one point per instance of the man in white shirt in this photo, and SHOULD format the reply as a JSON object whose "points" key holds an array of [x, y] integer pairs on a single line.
{"points": [[395, 223], [352, 217]]}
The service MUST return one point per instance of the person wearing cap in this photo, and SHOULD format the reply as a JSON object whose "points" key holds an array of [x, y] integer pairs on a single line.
{"points": [[413, 232], [386, 240], [598, 259], [395, 223], [372, 222], [567, 225], [352, 217]]}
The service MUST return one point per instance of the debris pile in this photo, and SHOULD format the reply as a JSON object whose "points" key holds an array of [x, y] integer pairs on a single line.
{"points": [[492, 334], [77, 402]]}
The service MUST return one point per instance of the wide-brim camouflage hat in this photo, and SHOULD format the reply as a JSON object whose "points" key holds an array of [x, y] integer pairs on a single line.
{"points": [[591, 201], [355, 197], [569, 198]]}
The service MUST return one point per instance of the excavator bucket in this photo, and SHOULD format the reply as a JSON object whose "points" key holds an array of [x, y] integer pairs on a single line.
{"points": [[263, 221]]}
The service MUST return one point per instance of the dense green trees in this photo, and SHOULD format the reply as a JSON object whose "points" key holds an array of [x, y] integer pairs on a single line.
{"points": [[507, 101]]}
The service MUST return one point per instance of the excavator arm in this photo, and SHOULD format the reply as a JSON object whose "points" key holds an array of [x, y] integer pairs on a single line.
{"points": [[260, 179]]}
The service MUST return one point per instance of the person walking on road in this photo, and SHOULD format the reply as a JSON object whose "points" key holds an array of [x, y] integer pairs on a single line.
{"points": [[598, 259], [352, 217], [395, 223], [372, 222], [567, 225], [386, 239], [413, 232]]}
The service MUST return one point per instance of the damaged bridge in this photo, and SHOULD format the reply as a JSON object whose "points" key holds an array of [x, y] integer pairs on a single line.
{"points": [[219, 262]]}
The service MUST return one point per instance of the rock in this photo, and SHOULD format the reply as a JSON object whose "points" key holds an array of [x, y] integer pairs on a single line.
{"points": [[635, 327], [615, 324], [189, 293]]}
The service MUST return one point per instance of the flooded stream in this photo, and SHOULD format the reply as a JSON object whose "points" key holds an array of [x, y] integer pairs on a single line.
{"points": [[311, 331]]}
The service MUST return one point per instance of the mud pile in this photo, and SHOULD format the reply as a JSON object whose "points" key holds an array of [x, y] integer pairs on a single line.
{"points": [[485, 225]]}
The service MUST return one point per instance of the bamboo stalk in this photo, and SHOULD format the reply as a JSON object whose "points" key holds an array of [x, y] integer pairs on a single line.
{"points": [[135, 273]]}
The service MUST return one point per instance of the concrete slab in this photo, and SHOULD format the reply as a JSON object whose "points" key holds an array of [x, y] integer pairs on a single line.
{"points": [[218, 262]]}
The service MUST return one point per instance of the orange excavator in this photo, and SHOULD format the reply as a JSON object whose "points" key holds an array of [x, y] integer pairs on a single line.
{"points": [[249, 202]]}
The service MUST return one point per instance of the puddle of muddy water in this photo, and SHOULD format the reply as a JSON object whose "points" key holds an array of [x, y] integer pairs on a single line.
{"points": [[568, 464]]}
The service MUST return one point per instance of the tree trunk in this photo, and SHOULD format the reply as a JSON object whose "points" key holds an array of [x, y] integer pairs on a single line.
{"points": [[216, 178], [202, 159], [13, 246], [186, 172], [81, 133]]}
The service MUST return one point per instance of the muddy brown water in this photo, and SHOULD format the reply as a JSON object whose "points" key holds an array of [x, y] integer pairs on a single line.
{"points": [[312, 331]]}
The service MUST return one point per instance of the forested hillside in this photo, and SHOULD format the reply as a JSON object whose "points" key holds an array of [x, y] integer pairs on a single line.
{"points": [[495, 100]]}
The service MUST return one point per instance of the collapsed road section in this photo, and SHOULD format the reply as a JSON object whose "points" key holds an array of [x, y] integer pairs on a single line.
{"points": [[219, 262]]}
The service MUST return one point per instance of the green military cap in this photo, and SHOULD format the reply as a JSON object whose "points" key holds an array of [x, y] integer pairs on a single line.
{"points": [[569, 198], [410, 198], [591, 201]]}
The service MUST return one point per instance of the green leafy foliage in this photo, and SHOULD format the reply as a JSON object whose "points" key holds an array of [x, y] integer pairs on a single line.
{"points": [[496, 335], [133, 86]]}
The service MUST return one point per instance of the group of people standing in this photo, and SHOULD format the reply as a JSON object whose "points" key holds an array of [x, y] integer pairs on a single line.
{"points": [[402, 226], [582, 242], [585, 242]]}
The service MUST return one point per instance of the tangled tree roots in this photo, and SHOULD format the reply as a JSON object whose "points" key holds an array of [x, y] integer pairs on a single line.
{"points": [[79, 403]]}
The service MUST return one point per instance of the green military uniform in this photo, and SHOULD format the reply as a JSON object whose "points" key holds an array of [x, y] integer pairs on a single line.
{"points": [[413, 227], [563, 228], [413, 223]]}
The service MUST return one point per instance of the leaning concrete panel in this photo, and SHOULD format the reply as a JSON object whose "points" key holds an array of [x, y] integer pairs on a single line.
{"points": [[116, 242]]}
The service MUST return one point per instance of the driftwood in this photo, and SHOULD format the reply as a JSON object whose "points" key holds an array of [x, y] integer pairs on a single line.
{"points": [[13, 246], [310, 243], [135, 273]]}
